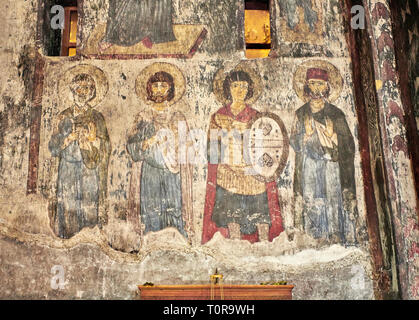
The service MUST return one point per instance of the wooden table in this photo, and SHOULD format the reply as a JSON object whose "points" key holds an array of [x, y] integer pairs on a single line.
{"points": [[203, 292]]}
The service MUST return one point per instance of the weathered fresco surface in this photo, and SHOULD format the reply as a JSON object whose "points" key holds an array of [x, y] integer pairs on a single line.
{"points": [[130, 22], [308, 28], [143, 28], [116, 147], [324, 181], [81, 142], [238, 204], [160, 186], [302, 20]]}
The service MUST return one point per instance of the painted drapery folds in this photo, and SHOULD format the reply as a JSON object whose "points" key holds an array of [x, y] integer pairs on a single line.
{"points": [[291, 11], [103, 184], [144, 29], [324, 182], [161, 186], [82, 145], [237, 204], [133, 21], [301, 21]]}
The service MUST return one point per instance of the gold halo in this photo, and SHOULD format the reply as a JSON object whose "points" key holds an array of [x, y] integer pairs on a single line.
{"points": [[335, 79], [101, 81], [146, 73], [221, 75]]}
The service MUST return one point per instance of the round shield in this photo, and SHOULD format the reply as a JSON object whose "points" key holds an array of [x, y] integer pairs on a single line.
{"points": [[268, 146]]}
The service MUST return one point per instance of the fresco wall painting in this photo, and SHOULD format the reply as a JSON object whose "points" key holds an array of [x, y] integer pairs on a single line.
{"points": [[303, 157]]}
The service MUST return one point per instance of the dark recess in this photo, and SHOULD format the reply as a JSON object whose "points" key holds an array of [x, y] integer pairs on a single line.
{"points": [[52, 38]]}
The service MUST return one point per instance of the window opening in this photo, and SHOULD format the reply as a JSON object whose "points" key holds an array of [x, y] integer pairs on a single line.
{"points": [[257, 27], [69, 35]]}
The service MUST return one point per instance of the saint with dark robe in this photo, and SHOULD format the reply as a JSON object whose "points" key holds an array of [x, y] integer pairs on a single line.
{"points": [[161, 186], [134, 21], [324, 181], [81, 142], [237, 204]]}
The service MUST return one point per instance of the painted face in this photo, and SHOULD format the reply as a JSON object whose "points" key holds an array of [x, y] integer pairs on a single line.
{"points": [[83, 92], [160, 90], [239, 90], [317, 88]]}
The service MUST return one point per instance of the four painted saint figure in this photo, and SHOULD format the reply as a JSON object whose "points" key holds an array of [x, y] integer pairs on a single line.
{"points": [[237, 203]]}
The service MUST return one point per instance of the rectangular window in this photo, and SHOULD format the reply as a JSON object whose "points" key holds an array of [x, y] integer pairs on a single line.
{"points": [[257, 28]]}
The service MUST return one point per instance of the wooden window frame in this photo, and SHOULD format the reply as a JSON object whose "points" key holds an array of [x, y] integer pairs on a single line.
{"points": [[66, 45], [262, 6]]}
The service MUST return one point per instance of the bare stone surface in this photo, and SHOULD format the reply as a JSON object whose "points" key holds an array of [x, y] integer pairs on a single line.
{"points": [[90, 273]]}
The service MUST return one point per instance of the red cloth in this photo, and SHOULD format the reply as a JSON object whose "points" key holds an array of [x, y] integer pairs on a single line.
{"points": [[209, 227], [245, 115], [317, 73]]}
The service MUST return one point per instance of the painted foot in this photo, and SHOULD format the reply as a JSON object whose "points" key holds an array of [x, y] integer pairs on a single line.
{"points": [[234, 231], [147, 42]]}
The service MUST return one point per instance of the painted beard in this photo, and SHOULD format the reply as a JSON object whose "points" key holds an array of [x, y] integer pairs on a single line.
{"points": [[83, 99], [320, 95]]}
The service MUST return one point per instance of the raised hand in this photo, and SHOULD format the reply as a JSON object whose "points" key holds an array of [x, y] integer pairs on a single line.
{"points": [[84, 140], [149, 143], [70, 138], [91, 133], [329, 127], [308, 127]]}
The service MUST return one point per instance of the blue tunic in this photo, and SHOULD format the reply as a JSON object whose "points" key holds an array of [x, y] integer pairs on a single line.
{"points": [[323, 175], [130, 21], [82, 174], [160, 191]]}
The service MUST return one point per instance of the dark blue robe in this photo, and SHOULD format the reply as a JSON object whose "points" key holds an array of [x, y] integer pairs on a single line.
{"points": [[82, 174], [323, 175]]}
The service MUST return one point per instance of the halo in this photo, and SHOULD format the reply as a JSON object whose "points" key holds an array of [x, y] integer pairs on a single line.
{"points": [[101, 81], [221, 75], [146, 73], [335, 79]]}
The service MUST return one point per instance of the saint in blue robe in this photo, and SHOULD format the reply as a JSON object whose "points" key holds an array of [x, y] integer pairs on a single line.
{"points": [[82, 174], [161, 189]]}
